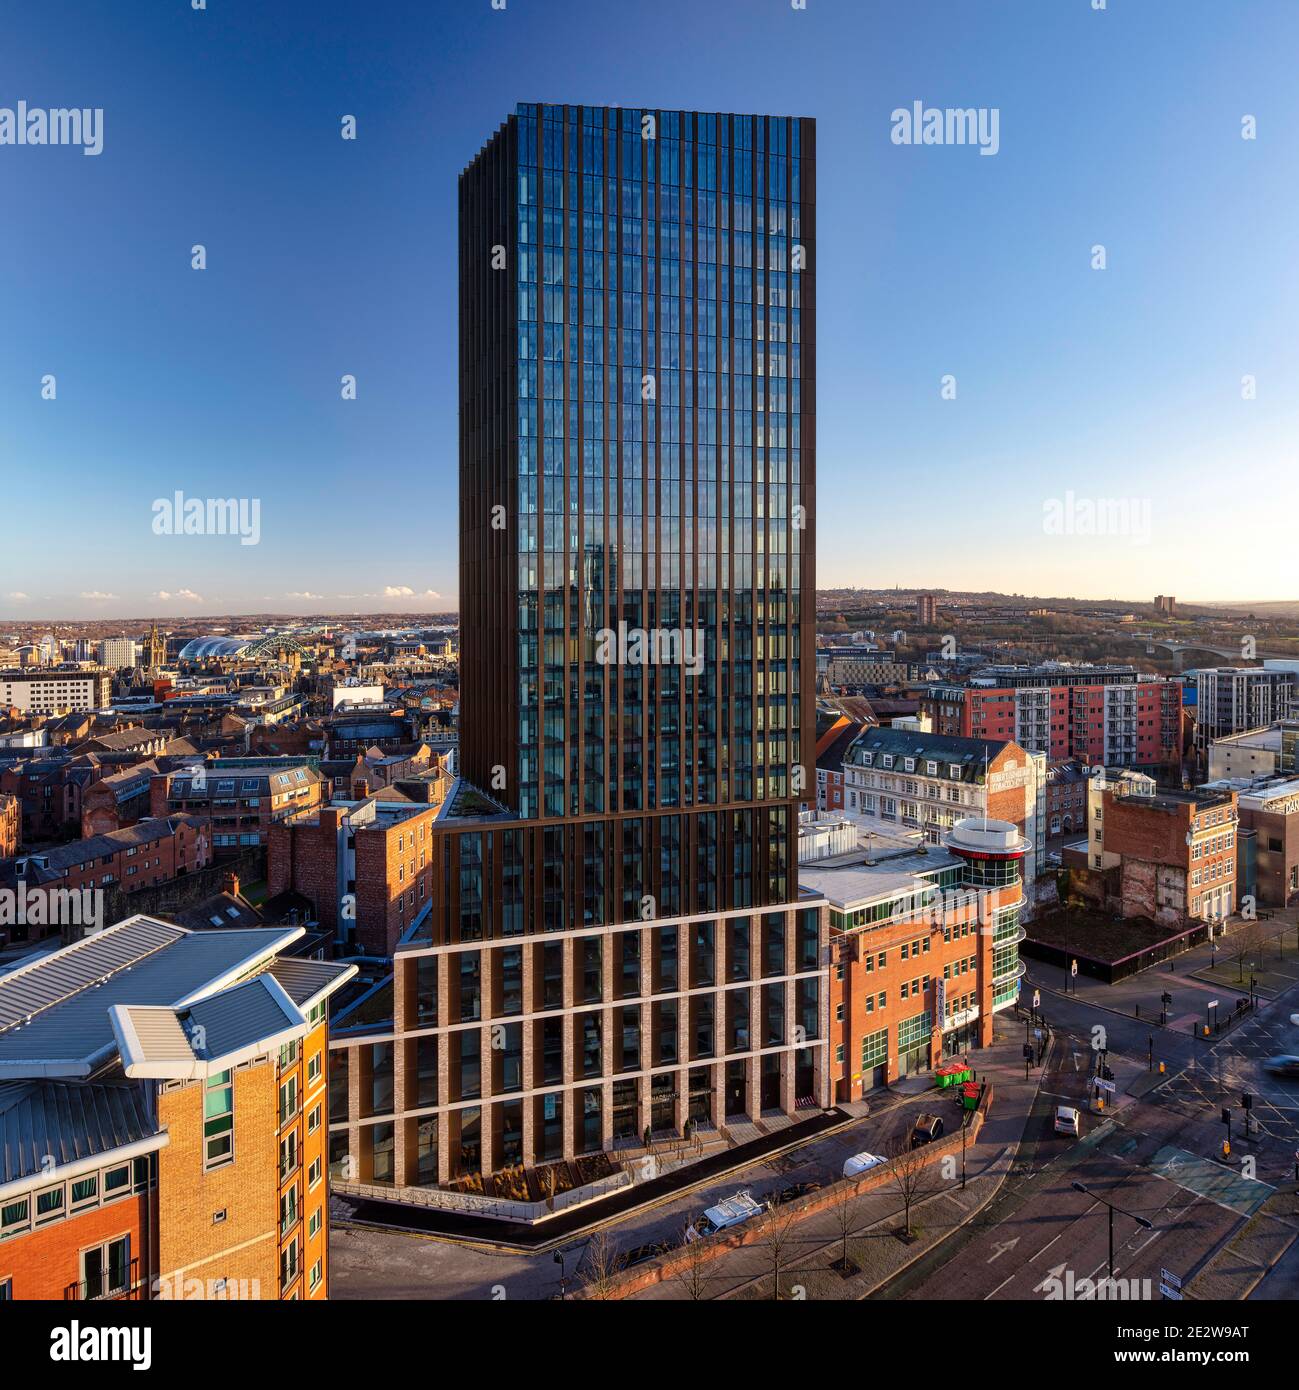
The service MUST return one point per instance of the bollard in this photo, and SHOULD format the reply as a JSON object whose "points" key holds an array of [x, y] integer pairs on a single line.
{"points": [[1161, 1069]]}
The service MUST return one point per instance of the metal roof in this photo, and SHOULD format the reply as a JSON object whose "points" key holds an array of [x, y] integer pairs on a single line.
{"points": [[210, 1035], [66, 1121], [307, 981], [140, 961]]}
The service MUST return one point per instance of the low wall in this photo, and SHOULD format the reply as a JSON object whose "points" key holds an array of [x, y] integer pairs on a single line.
{"points": [[669, 1266]]}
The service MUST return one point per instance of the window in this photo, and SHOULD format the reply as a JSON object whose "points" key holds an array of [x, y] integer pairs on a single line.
{"points": [[313, 1119], [288, 1100], [85, 1192], [49, 1204], [14, 1216], [315, 1222], [315, 1064], [219, 1120], [105, 1269], [313, 1173], [317, 1274]]}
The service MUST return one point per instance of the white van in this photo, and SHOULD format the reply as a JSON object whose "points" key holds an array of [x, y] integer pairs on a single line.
{"points": [[861, 1163], [1066, 1120], [730, 1211]]}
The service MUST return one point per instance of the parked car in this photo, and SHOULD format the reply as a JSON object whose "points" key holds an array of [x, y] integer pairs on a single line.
{"points": [[926, 1129], [861, 1163], [730, 1211], [796, 1190], [640, 1253], [1066, 1120], [1285, 1065]]}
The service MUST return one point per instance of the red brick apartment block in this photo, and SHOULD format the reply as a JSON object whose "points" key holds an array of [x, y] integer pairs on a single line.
{"points": [[364, 865], [1097, 714]]}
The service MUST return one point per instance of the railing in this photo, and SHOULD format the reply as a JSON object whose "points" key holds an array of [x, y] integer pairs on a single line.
{"points": [[103, 1289], [477, 1204]]}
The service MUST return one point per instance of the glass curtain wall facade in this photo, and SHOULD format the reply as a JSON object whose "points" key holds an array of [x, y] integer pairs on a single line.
{"points": [[637, 469]]}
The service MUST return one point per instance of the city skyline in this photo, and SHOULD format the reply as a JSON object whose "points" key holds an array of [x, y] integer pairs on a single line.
{"points": [[226, 382]]}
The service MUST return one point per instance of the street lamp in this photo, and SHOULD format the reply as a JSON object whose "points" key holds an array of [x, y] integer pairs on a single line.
{"points": [[1132, 1216], [559, 1260]]}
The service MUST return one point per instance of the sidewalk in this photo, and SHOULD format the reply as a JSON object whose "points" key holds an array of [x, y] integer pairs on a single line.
{"points": [[1193, 980], [873, 1246]]}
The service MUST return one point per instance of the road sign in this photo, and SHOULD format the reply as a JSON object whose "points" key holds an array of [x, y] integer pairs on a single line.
{"points": [[1166, 1276], [1170, 1293], [1037, 1033], [1037, 998], [1104, 1085], [1212, 1004]]}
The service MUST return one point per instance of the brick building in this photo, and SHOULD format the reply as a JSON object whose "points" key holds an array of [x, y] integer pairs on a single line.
{"points": [[11, 825], [1176, 854], [929, 782], [364, 865], [178, 1081], [831, 749], [924, 950], [1270, 812], [1066, 798], [118, 800], [50, 789], [140, 856], [1095, 714], [240, 799]]}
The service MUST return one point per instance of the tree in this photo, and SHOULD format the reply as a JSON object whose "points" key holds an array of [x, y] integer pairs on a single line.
{"points": [[846, 1210], [907, 1170], [1246, 941], [602, 1263], [777, 1235], [690, 1275]]}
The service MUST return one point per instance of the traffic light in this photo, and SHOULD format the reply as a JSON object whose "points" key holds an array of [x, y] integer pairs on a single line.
{"points": [[1226, 1116], [1247, 1101]]}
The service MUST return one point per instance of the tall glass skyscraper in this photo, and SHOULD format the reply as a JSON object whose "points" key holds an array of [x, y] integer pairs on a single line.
{"points": [[638, 448], [616, 940]]}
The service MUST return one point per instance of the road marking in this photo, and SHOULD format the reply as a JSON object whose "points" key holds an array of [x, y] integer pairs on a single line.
{"points": [[1002, 1247]]}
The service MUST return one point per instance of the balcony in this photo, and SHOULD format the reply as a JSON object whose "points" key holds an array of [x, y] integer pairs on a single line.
{"points": [[1016, 972], [110, 1286]]}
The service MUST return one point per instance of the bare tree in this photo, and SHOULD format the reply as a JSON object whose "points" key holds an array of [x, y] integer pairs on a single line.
{"points": [[1246, 941], [907, 1170], [602, 1263], [846, 1211], [776, 1239], [691, 1274]]}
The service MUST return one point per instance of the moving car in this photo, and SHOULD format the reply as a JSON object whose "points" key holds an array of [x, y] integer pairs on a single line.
{"points": [[1066, 1120], [861, 1163], [1285, 1065], [730, 1211], [926, 1129]]}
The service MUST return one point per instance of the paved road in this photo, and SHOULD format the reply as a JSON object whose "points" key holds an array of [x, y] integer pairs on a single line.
{"points": [[372, 1263]]}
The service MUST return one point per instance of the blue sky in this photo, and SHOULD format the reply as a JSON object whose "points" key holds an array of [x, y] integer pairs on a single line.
{"points": [[1120, 127]]}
